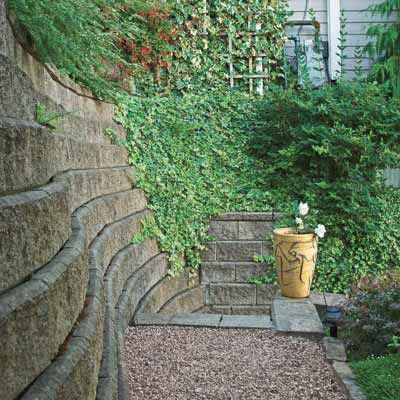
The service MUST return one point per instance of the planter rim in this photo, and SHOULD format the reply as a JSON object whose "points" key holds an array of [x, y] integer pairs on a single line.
{"points": [[290, 234]]}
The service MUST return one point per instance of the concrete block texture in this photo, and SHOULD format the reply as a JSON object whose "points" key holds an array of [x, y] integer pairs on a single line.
{"points": [[35, 225], [238, 251], [215, 272], [254, 230], [231, 294], [224, 230], [31, 155]]}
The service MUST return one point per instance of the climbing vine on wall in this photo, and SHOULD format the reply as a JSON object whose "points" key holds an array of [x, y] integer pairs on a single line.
{"points": [[133, 45]]}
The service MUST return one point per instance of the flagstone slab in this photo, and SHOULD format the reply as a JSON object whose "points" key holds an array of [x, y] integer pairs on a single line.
{"points": [[247, 321], [296, 316]]}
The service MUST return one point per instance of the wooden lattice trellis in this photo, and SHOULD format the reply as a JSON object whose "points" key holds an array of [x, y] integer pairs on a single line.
{"points": [[257, 73]]}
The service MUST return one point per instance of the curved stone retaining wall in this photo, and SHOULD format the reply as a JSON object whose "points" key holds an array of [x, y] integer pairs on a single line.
{"points": [[70, 279]]}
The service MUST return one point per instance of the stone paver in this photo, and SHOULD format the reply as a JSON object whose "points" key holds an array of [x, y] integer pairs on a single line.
{"points": [[203, 320], [296, 316], [152, 319], [247, 321], [334, 349], [348, 381]]}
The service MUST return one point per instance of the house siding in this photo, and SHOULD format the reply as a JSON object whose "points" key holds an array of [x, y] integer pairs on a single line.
{"points": [[357, 19]]}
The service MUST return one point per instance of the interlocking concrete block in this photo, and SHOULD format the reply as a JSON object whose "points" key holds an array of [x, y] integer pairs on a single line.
{"points": [[125, 264], [232, 294], [24, 319], [88, 184], [254, 230], [33, 228], [246, 216], [74, 373], [266, 293], [297, 317], [152, 319], [46, 154], [238, 251], [110, 208], [267, 249], [223, 230], [217, 272], [209, 253], [138, 285], [223, 310]]}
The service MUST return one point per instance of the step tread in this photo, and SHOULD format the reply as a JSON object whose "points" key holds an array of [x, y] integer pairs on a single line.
{"points": [[296, 316]]}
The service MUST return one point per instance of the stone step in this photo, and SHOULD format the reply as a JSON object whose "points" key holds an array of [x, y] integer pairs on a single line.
{"points": [[45, 308], [33, 154], [82, 351], [35, 225], [206, 320], [296, 317]]}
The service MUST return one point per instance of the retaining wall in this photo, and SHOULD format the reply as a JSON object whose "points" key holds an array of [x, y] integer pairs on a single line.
{"points": [[70, 279]]}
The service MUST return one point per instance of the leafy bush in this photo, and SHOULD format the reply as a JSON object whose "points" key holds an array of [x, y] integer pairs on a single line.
{"points": [[385, 45], [326, 148], [379, 377], [189, 159], [373, 314]]}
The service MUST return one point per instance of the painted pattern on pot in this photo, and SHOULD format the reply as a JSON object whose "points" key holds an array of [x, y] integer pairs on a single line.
{"points": [[295, 256]]}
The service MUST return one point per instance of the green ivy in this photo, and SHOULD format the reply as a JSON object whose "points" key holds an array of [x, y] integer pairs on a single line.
{"points": [[189, 160]]}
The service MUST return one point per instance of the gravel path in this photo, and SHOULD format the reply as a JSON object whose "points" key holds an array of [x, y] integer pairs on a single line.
{"points": [[172, 363]]}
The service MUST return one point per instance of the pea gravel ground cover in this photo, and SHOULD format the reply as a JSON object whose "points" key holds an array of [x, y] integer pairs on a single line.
{"points": [[173, 363]]}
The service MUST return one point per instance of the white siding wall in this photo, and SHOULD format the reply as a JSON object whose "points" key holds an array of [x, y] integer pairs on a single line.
{"points": [[357, 20]]}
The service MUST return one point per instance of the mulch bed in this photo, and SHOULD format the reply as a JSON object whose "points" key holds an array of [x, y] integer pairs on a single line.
{"points": [[172, 363]]}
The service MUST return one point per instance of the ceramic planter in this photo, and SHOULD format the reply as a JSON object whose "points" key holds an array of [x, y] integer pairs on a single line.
{"points": [[295, 256]]}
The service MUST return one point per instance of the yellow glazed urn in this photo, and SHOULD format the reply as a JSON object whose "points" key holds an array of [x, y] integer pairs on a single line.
{"points": [[295, 256]]}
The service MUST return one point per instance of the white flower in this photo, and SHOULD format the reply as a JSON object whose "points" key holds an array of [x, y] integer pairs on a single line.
{"points": [[303, 209], [299, 221], [320, 231]]}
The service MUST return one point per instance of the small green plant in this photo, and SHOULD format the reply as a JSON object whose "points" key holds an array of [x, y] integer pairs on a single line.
{"points": [[342, 45], [270, 274], [394, 345], [385, 45], [48, 118], [358, 56]]}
